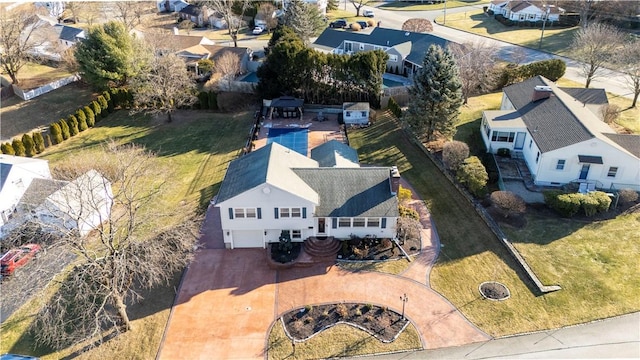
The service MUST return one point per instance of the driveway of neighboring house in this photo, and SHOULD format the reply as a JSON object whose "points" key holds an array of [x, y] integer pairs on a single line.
{"points": [[229, 299]]}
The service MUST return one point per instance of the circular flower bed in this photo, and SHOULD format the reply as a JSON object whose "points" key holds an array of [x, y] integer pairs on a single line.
{"points": [[494, 290]]}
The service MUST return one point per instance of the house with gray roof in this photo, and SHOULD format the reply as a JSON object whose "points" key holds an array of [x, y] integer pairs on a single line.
{"points": [[526, 10], [68, 35], [561, 135], [405, 49], [275, 189]]}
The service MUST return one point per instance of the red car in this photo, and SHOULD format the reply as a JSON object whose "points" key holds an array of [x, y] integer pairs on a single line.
{"points": [[16, 258]]}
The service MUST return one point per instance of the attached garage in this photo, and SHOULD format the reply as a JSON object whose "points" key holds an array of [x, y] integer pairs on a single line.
{"points": [[247, 239]]}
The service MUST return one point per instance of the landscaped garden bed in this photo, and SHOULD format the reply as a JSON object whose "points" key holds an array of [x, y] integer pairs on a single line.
{"points": [[380, 322], [370, 248]]}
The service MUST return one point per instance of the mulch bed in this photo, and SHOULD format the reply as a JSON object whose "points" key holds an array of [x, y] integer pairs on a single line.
{"points": [[494, 291], [381, 322], [376, 249], [285, 257]]}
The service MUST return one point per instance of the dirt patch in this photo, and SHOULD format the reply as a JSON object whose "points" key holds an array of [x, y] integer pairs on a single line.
{"points": [[381, 322]]}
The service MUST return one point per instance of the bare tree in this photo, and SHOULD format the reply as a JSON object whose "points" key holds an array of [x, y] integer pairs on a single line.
{"points": [[476, 66], [594, 47], [166, 86], [226, 10], [508, 203], [119, 258], [418, 25], [130, 13], [628, 61], [228, 66], [266, 13], [22, 36], [86, 11], [358, 4], [609, 113], [187, 25], [408, 228]]}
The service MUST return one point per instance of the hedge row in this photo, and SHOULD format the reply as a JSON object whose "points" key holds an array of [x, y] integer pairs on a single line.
{"points": [[85, 117], [207, 100], [552, 69], [569, 204], [394, 108]]}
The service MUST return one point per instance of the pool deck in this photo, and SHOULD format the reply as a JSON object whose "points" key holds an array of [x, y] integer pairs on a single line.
{"points": [[319, 131]]}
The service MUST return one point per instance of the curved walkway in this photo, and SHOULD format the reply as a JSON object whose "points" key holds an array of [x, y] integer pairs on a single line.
{"points": [[228, 299]]}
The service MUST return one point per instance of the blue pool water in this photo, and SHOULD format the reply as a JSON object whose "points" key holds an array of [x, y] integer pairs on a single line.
{"points": [[251, 77], [295, 139], [388, 83]]}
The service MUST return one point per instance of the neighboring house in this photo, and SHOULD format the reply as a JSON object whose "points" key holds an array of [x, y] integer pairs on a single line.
{"points": [[61, 206], [526, 10], [275, 189], [217, 21], [171, 5], [406, 49], [560, 135], [355, 113], [198, 15], [16, 174], [68, 35]]}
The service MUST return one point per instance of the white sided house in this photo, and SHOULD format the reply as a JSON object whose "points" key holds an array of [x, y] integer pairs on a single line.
{"points": [[16, 174], [561, 136], [275, 189], [526, 10]]}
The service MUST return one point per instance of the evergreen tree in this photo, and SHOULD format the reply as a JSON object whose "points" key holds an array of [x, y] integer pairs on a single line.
{"points": [[304, 19], [436, 96], [18, 147], [39, 141], [91, 118], [97, 110], [73, 125], [56, 133], [29, 145], [203, 98], [7, 149], [213, 100], [104, 106], [473, 174], [48, 142], [332, 5], [82, 120], [64, 127]]}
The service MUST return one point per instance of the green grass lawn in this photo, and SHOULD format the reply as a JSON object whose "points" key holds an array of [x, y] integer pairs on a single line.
{"points": [[423, 6], [471, 254], [33, 75], [195, 149], [555, 41]]}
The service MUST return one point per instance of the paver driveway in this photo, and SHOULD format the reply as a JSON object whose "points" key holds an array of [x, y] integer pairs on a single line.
{"points": [[229, 299]]}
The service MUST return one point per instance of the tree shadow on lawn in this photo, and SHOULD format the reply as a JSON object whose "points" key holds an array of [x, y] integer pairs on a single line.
{"points": [[556, 43]]}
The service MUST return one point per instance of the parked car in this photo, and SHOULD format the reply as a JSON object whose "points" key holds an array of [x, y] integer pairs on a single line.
{"points": [[16, 258], [368, 13], [363, 24], [257, 30], [340, 23]]}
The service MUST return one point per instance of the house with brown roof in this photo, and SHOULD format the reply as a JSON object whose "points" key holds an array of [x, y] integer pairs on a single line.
{"points": [[526, 10]]}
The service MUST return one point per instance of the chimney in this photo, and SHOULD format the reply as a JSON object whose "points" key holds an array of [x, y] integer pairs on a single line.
{"points": [[541, 92], [394, 180]]}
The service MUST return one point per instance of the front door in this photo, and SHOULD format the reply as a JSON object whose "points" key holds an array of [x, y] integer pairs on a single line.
{"points": [[584, 171], [520, 140], [321, 225]]}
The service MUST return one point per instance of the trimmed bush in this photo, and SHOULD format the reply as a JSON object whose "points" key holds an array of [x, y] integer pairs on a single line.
{"points": [[29, 145], [7, 149], [508, 203], [64, 126], [97, 109], [18, 147], [404, 195], [408, 212], [603, 200], [81, 116], [552, 69], [454, 153], [504, 152], [473, 175], [56, 133], [628, 195], [104, 106], [47, 140], [39, 141], [356, 27], [91, 118], [589, 204], [72, 121], [566, 205], [394, 107]]}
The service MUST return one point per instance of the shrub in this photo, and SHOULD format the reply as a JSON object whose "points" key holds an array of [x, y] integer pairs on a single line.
{"points": [[407, 212], [371, 23], [341, 310], [404, 195], [18, 147], [39, 141], [308, 308], [56, 133], [508, 203], [504, 152], [104, 106], [213, 100], [368, 307], [602, 199], [567, 204], [628, 195], [552, 69], [29, 145], [91, 118], [64, 128], [589, 204], [356, 27], [394, 107], [48, 142], [82, 120], [7, 149], [72, 122], [203, 98], [97, 110], [358, 312], [610, 112], [454, 153], [473, 174]]}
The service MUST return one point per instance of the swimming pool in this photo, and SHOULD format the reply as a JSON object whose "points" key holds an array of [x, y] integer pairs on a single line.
{"points": [[295, 139], [251, 77], [388, 83]]}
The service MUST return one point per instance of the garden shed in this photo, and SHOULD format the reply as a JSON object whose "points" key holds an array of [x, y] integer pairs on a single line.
{"points": [[355, 113]]}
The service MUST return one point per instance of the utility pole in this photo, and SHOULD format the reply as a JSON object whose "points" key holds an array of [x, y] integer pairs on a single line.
{"points": [[543, 26], [404, 299], [444, 20]]}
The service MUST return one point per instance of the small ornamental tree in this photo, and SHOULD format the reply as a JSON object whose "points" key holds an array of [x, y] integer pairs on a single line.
{"points": [[473, 174], [82, 120], [97, 109], [56, 133], [104, 106], [454, 153], [73, 125], [91, 118], [626, 195], [39, 141], [64, 127], [7, 149], [508, 203], [408, 228], [29, 145], [18, 147]]}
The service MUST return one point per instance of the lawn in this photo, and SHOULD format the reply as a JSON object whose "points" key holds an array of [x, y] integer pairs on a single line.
{"points": [[425, 6], [555, 41], [471, 254], [33, 75], [19, 116], [196, 149]]}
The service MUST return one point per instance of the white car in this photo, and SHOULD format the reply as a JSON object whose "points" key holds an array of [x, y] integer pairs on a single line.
{"points": [[257, 30], [368, 13]]}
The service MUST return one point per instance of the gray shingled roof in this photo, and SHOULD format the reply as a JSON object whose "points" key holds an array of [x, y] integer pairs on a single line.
{"points": [[587, 96], [351, 192], [335, 154], [420, 42], [191, 10], [68, 33], [550, 122], [631, 143], [38, 191]]}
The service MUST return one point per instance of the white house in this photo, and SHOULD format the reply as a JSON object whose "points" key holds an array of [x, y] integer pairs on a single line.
{"points": [[526, 10], [16, 175], [355, 113], [68, 35], [171, 5], [561, 137], [275, 189]]}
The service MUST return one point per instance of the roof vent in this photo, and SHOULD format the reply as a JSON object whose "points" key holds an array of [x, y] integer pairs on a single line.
{"points": [[543, 88]]}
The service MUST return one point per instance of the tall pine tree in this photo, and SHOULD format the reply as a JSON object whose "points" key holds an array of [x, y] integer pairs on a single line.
{"points": [[304, 18], [436, 95]]}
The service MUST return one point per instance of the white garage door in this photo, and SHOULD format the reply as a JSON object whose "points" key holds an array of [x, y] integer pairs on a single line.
{"points": [[247, 239]]}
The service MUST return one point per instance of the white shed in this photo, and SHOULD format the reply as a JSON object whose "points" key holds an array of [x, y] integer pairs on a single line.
{"points": [[355, 113]]}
